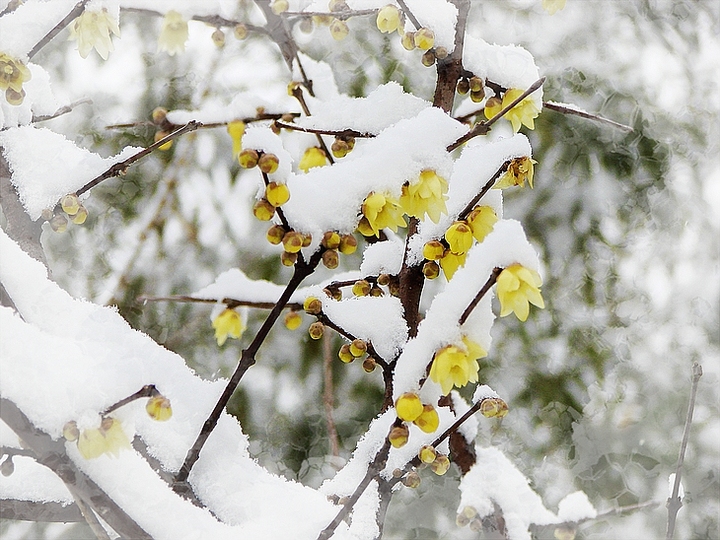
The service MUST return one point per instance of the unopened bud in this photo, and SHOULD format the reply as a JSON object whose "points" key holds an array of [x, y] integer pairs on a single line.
{"points": [[316, 330]]}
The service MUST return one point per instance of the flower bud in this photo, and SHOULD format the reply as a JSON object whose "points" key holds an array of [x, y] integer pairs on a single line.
{"points": [[248, 158], [59, 223], [348, 244], [330, 259], [14, 97], [240, 31], [292, 320], [345, 355], [369, 364], [493, 408], [433, 250], [316, 330], [218, 38], [492, 107], [159, 116], [331, 240], [71, 431], [424, 39], [288, 259], [408, 41], [441, 53], [306, 240], [411, 480], [158, 408], [279, 6], [161, 135], [47, 214], [275, 234], [339, 30], [429, 420], [358, 347], [312, 305], [476, 84], [465, 516], [441, 465], [80, 216], [70, 204], [463, 86], [263, 210], [427, 454], [398, 436], [338, 5], [428, 59], [339, 148], [408, 406], [431, 270], [477, 97], [276, 194], [292, 241], [361, 288], [268, 164]]}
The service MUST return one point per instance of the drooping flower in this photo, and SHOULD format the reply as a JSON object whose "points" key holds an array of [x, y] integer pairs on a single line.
{"points": [[426, 196], [173, 33], [456, 365], [459, 237], [482, 219], [524, 113], [109, 438], [236, 130], [313, 157], [518, 172], [408, 406], [13, 73], [388, 19], [553, 6], [381, 211], [428, 421], [92, 29], [517, 287], [450, 263], [228, 323]]}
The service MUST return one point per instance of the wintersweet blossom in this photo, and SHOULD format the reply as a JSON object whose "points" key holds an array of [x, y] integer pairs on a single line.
{"points": [[13, 73], [92, 29], [388, 19], [408, 406], [428, 421], [517, 287], [173, 33], [228, 323], [482, 219], [450, 263], [313, 157], [459, 237], [456, 365], [380, 211], [518, 172], [553, 6], [426, 196], [524, 113], [236, 130], [109, 438]]}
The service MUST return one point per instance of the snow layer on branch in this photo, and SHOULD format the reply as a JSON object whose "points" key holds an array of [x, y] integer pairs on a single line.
{"points": [[33, 482], [39, 100], [262, 138], [383, 107], [478, 162], [91, 358], [63, 169], [510, 66], [439, 16], [576, 507], [494, 478], [505, 245], [187, 8], [235, 284], [36, 18], [244, 105], [375, 319], [383, 258], [330, 198]]}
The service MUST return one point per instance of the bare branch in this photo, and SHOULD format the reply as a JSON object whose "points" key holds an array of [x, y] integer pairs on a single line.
{"points": [[62, 110], [40, 511], [70, 17], [482, 292], [229, 302], [674, 503], [572, 110], [331, 132]]}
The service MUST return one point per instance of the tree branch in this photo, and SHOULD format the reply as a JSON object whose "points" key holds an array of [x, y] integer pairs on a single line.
{"points": [[572, 110], [70, 17], [39, 511], [229, 302]]}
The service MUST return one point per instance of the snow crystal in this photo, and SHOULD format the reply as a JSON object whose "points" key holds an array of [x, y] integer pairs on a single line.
{"points": [[63, 169]]}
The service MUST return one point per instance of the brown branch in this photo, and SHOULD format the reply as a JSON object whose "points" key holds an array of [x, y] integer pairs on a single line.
{"points": [[298, 94], [482, 292], [674, 503], [229, 302], [559, 107], [343, 15], [379, 360], [49, 512], [481, 128], [450, 69], [213, 20], [121, 167], [148, 390], [328, 398], [247, 360], [208, 125], [489, 184], [62, 110], [410, 15], [332, 132], [70, 17]]}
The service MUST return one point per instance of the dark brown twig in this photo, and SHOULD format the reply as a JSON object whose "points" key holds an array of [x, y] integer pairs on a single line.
{"points": [[489, 184], [559, 107], [148, 390], [482, 292], [298, 94], [229, 302], [70, 17], [332, 132], [62, 110]]}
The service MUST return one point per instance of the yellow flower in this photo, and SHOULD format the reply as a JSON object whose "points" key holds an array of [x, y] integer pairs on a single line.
{"points": [[451, 262], [313, 157], [382, 211], [13, 73], [158, 408], [456, 365], [516, 287], [92, 29], [520, 170], [388, 19], [109, 438], [228, 323], [459, 237], [426, 196], [236, 129], [173, 33], [408, 406], [429, 420], [492, 107], [524, 113], [553, 6], [482, 220]]}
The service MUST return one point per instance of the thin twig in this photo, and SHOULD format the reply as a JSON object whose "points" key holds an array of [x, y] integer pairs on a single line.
{"points": [[489, 184], [62, 110], [214, 20], [410, 14], [345, 14], [482, 292], [70, 17], [328, 398], [379, 360], [148, 390], [674, 503], [229, 302], [247, 360], [331, 132], [298, 94], [564, 109], [121, 167], [481, 128]]}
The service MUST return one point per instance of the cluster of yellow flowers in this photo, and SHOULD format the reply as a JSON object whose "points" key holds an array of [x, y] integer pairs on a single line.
{"points": [[13, 73], [456, 365], [390, 19]]}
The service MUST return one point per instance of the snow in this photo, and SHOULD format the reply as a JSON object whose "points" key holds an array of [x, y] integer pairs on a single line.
{"points": [[235, 284], [187, 8], [36, 18], [576, 507], [439, 16], [33, 482], [383, 258], [65, 168]]}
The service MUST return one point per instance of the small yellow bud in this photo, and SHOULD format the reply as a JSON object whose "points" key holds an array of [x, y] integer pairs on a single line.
{"points": [[330, 259], [240, 31], [429, 420], [431, 270], [159, 116], [316, 330], [14, 97], [268, 163], [441, 465], [433, 250], [361, 288], [428, 59], [564, 532], [376, 291], [369, 364], [70, 204], [408, 41], [427, 454], [276, 194], [263, 210], [398, 436], [312, 305], [59, 223], [384, 280], [493, 408], [275, 234], [408, 406], [424, 39], [492, 107], [292, 241], [293, 320], [358, 347], [463, 86], [412, 480], [161, 135], [338, 5], [339, 30], [80, 216], [339, 148], [441, 53], [348, 244], [465, 516], [307, 240], [388, 19], [218, 38], [70, 431], [331, 240], [313, 157], [477, 97], [345, 355], [476, 84], [158, 408], [248, 158], [288, 259], [279, 6]]}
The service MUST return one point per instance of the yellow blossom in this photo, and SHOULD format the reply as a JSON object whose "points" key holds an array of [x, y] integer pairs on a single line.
{"points": [[492, 107], [518, 172], [429, 420], [92, 29], [517, 287], [388, 19], [482, 220], [382, 211], [408, 406], [236, 129], [456, 365], [459, 237], [13, 73], [426, 196], [228, 323], [313, 157], [158, 408], [173, 33], [553, 6], [450, 263], [524, 113], [109, 438]]}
